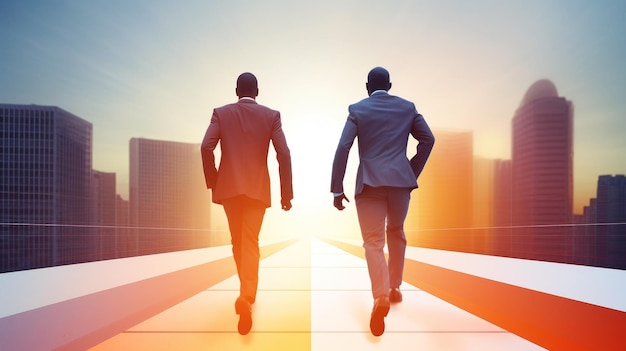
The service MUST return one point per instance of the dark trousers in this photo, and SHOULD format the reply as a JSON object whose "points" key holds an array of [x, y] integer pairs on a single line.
{"points": [[245, 217], [377, 206]]}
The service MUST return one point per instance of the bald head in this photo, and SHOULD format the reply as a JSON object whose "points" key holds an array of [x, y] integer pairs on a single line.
{"points": [[377, 79], [247, 85]]}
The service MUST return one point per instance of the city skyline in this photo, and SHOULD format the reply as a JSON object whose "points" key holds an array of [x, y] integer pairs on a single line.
{"points": [[155, 70], [455, 211]]}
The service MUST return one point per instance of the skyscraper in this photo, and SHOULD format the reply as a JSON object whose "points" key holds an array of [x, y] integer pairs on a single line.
{"points": [[482, 207], [584, 249], [126, 241], [542, 168], [105, 214], [169, 202], [502, 204], [441, 207], [611, 216], [45, 187]]}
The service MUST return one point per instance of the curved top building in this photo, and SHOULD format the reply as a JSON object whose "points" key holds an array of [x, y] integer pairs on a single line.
{"points": [[543, 88], [542, 167]]}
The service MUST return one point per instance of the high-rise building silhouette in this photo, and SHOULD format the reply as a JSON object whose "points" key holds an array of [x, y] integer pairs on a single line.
{"points": [[610, 233], [502, 207], [542, 174], [169, 202], [440, 213], [584, 235], [483, 204], [105, 218], [126, 241], [45, 187]]}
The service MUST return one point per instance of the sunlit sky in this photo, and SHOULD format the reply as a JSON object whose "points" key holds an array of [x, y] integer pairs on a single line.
{"points": [[156, 69]]}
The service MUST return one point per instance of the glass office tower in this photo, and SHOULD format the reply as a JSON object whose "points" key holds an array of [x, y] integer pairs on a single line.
{"points": [[45, 187], [542, 180], [169, 201]]}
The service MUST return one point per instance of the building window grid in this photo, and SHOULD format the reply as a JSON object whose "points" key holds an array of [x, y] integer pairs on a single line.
{"points": [[27, 154]]}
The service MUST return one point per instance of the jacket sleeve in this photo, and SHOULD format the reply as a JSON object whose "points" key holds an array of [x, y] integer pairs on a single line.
{"points": [[283, 156], [426, 140], [341, 155], [209, 143]]}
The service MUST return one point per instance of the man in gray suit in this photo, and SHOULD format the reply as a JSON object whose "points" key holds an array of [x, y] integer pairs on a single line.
{"points": [[385, 179]]}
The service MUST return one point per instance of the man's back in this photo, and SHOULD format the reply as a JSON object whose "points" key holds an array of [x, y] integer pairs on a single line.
{"points": [[382, 123], [244, 130]]}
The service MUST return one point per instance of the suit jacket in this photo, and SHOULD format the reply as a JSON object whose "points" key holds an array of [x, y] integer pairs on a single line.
{"points": [[383, 123], [244, 130]]}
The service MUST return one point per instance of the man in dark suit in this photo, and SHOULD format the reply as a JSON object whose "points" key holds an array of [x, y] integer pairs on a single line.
{"points": [[385, 179], [242, 183]]}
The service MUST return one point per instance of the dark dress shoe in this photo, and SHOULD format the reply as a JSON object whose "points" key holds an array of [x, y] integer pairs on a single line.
{"points": [[379, 312], [395, 295], [244, 310]]}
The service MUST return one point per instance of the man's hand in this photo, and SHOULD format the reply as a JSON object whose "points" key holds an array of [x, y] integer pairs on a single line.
{"points": [[285, 204], [338, 201]]}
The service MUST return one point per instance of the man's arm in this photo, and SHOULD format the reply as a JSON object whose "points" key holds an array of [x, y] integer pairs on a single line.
{"points": [[209, 143], [426, 140], [341, 161], [283, 155]]}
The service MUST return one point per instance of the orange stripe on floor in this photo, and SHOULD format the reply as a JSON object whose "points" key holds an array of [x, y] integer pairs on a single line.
{"points": [[551, 321]]}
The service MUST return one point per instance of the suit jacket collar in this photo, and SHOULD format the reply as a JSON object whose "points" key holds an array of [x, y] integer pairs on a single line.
{"points": [[247, 101], [379, 92]]}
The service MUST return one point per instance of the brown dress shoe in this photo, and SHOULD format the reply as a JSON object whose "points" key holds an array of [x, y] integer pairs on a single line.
{"points": [[244, 310], [395, 295], [379, 312]]}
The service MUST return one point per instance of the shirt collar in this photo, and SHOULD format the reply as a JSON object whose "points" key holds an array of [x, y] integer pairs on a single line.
{"points": [[380, 91], [247, 98]]}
